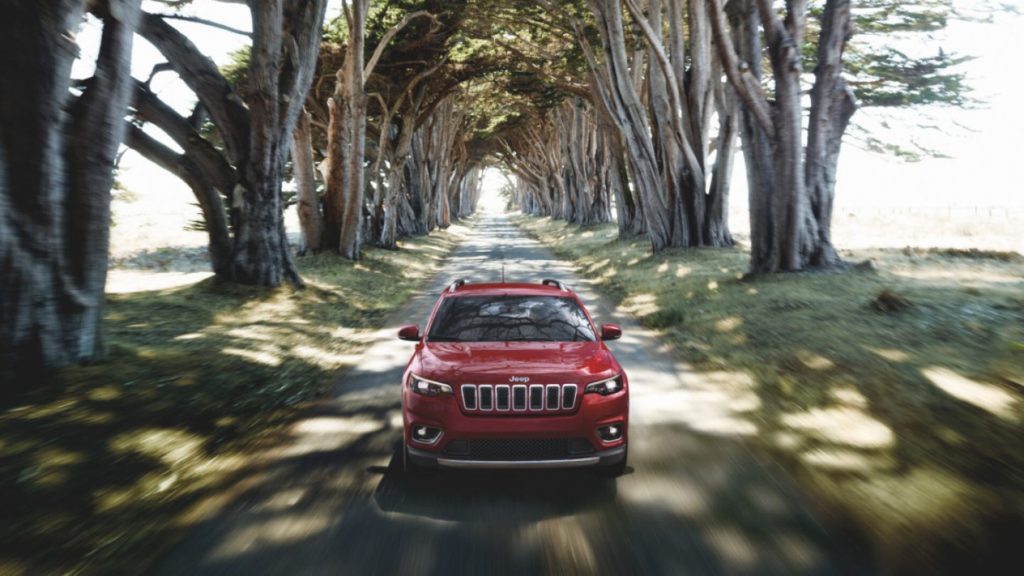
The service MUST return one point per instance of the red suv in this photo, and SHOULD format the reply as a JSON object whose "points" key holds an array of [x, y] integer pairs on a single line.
{"points": [[513, 375]]}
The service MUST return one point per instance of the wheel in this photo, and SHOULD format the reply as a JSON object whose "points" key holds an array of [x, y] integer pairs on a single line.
{"points": [[614, 470]]}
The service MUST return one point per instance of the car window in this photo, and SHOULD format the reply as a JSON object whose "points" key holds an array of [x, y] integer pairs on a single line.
{"points": [[503, 318]]}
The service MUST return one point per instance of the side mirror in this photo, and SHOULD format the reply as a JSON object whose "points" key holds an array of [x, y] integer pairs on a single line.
{"points": [[409, 332], [610, 332]]}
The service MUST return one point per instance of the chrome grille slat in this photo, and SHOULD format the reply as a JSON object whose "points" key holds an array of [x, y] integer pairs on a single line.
{"points": [[533, 398]]}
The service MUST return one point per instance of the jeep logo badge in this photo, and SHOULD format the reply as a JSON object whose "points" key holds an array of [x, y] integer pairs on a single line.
{"points": [[523, 379]]}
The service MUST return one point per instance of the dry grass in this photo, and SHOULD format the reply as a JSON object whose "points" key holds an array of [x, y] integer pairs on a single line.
{"points": [[97, 464], [906, 424]]}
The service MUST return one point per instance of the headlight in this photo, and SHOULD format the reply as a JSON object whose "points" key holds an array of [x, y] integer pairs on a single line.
{"points": [[605, 387], [428, 387]]}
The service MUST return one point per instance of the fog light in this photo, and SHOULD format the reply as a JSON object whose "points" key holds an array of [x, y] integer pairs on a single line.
{"points": [[425, 434], [610, 433]]}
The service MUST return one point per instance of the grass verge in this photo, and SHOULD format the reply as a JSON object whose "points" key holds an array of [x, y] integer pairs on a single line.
{"points": [[97, 465], [905, 422]]}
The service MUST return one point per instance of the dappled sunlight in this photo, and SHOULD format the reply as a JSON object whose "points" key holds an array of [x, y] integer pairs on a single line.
{"points": [[733, 544], [283, 530], [728, 324], [968, 276], [714, 403], [802, 556], [641, 305], [988, 397], [257, 332], [169, 445], [842, 425], [849, 396], [678, 495], [323, 357], [598, 265], [264, 357], [104, 393], [891, 354], [356, 425], [814, 361], [835, 459], [567, 548], [53, 466]]}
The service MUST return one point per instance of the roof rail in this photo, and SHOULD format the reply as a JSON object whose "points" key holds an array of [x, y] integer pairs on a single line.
{"points": [[455, 285], [555, 283]]}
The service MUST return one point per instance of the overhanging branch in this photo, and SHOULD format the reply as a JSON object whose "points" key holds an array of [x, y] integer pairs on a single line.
{"points": [[200, 73], [204, 22]]}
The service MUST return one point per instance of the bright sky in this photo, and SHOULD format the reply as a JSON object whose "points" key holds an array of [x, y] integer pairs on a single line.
{"points": [[981, 171]]}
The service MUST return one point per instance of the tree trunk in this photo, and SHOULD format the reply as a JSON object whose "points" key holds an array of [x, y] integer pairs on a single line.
{"points": [[663, 124], [791, 198], [255, 134], [790, 206], [626, 110], [716, 225], [308, 207], [832, 106], [191, 173], [56, 171], [346, 142], [280, 72], [757, 155]]}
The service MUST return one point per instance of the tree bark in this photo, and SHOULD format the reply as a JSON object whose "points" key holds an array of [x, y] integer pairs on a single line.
{"points": [[716, 228], [401, 150], [308, 207], [56, 165], [286, 40], [346, 144], [832, 106]]}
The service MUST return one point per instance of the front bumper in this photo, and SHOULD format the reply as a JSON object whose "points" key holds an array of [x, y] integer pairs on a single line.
{"points": [[593, 411], [602, 458], [457, 445]]}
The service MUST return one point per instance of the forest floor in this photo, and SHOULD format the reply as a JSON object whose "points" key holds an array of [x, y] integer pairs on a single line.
{"points": [[96, 464], [895, 395]]}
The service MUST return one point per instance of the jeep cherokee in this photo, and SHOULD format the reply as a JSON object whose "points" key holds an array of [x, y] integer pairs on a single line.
{"points": [[513, 375]]}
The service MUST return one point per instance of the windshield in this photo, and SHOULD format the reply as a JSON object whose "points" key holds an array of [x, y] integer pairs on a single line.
{"points": [[503, 318]]}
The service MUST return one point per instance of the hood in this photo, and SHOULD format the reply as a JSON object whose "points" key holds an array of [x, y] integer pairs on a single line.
{"points": [[498, 362]]}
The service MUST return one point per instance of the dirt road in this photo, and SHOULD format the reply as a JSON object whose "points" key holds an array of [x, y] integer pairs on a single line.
{"points": [[695, 499]]}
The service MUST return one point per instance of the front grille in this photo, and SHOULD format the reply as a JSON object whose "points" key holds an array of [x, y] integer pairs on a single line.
{"points": [[519, 449], [535, 398]]}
